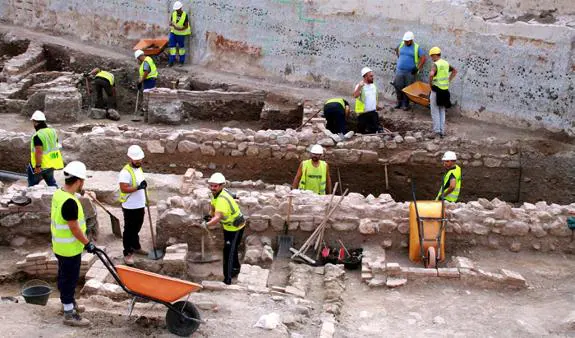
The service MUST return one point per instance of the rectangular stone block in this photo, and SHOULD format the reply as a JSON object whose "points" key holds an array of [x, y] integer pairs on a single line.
{"points": [[462, 263], [212, 285], [37, 256], [295, 291], [98, 274], [365, 276], [181, 247], [513, 278], [417, 273], [394, 282], [88, 259], [393, 269], [448, 272]]}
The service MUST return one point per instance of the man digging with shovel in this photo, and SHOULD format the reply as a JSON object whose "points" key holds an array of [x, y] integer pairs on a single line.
{"points": [[133, 198], [226, 211]]}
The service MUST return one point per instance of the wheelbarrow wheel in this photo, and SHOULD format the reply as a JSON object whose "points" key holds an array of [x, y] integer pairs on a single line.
{"points": [[430, 260], [179, 325]]}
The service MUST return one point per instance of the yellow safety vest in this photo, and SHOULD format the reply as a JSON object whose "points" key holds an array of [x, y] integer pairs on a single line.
{"points": [[63, 241], [441, 78], [359, 105], [454, 195], [106, 75], [415, 52], [153, 70], [336, 100], [124, 196], [313, 178], [51, 156], [180, 24], [230, 210]]}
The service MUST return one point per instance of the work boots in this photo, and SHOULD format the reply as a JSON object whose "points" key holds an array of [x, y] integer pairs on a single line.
{"points": [[72, 318], [78, 308]]}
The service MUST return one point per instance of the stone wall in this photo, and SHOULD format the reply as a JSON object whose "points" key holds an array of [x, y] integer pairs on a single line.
{"points": [[508, 170], [494, 224], [513, 70]]}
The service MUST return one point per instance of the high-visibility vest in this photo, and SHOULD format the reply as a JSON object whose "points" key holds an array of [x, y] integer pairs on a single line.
{"points": [[359, 105], [180, 24], [454, 195], [313, 178], [415, 52], [106, 75], [125, 195], [441, 78], [51, 156], [336, 100], [63, 241], [153, 70], [230, 212]]}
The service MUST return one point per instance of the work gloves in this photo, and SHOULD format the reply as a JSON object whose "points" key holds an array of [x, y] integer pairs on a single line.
{"points": [[139, 85], [204, 225], [207, 218], [90, 247], [143, 185]]}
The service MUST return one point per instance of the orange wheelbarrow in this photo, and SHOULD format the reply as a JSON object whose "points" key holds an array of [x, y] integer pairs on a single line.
{"points": [[182, 318], [427, 231], [418, 92]]}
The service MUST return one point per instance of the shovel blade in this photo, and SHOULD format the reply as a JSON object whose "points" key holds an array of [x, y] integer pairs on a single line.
{"points": [[155, 254], [284, 243]]}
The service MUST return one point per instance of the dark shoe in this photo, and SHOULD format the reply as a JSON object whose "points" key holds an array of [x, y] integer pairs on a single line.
{"points": [[235, 273], [72, 318], [228, 281], [141, 252], [441, 135], [171, 64]]}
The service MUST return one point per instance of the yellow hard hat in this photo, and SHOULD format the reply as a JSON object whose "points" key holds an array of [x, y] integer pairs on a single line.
{"points": [[434, 50]]}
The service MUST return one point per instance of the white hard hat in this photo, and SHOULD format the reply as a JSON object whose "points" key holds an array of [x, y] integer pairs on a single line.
{"points": [[178, 5], [408, 36], [38, 116], [135, 152], [76, 169], [449, 156], [217, 178], [316, 149], [138, 53], [365, 70]]}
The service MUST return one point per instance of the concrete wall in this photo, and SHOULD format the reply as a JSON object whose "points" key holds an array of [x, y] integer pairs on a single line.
{"points": [[513, 73]]}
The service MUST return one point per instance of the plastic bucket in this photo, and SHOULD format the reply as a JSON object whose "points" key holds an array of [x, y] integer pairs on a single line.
{"points": [[36, 292]]}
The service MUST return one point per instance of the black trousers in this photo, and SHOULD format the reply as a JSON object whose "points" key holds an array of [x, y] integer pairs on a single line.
{"points": [[100, 86], [232, 240], [368, 122], [335, 116], [68, 275], [133, 220]]}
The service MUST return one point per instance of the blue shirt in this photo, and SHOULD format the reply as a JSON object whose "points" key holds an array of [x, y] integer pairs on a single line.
{"points": [[147, 67], [406, 61]]}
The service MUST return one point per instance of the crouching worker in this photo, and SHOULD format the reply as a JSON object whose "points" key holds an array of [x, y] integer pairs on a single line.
{"points": [[225, 210], [68, 228]]}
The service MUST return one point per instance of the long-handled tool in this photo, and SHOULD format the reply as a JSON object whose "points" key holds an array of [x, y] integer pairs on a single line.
{"points": [[284, 241], [155, 253], [114, 221], [88, 91], [136, 117], [307, 121], [202, 257]]}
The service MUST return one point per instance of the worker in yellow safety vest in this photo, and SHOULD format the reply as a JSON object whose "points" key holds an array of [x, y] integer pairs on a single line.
{"points": [[451, 180], [225, 210], [313, 174], [45, 155], [133, 197], [440, 76], [148, 72], [410, 60], [366, 103], [104, 82], [180, 29], [68, 229]]}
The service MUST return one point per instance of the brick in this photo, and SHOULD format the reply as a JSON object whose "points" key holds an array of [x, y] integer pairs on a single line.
{"points": [[88, 259], [37, 256], [393, 282], [417, 273], [366, 276], [365, 268], [213, 285], [91, 287], [513, 278], [463, 263], [182, 247], [278, 288], [377, 282], [295, 291], [393, 268], [448, 272], [98, 274]]}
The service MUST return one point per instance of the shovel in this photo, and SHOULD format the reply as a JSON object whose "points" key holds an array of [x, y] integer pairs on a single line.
{"points": [[116, 229], [155, 253], [136, 118], [285, 242]]}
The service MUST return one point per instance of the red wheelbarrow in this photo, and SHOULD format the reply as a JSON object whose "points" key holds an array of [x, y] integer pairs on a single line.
{"points": [[182, 317]]}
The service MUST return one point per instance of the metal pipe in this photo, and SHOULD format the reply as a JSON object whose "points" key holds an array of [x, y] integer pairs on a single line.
{"points": [[11, 176]]}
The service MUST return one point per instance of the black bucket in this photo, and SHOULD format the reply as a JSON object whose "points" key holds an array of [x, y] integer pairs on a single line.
{"points": [[36, 294]]}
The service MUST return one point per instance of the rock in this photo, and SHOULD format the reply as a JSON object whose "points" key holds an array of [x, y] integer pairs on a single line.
{"points": [[437, 320], [515, 228], [258, 224], [208, 150], [267, 254], [398, 139], [155, 147], [97, 114], [394, 282], [485, 203], [410, 139], [252, 255], [515, 247], [113, 115], [368, 226], [491, 162], [10, 220], [17, 241], [269, 322], [568, 323], [186, 146], [387, 243], [295, 291], [327, 329], [431, 147]]}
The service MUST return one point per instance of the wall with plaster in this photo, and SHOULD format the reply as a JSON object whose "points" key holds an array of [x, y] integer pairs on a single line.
{"points": [[518, 73]]}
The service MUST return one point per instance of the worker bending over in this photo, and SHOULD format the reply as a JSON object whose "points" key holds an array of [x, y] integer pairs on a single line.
{"points": [[104, 82], [45, 156], [225, 210], [451, 179], [336, 111], [313, 174], [179, 30]]}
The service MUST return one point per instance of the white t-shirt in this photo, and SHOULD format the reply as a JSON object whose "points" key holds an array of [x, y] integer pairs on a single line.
{"points": [[137, 199], [370, 97]]}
